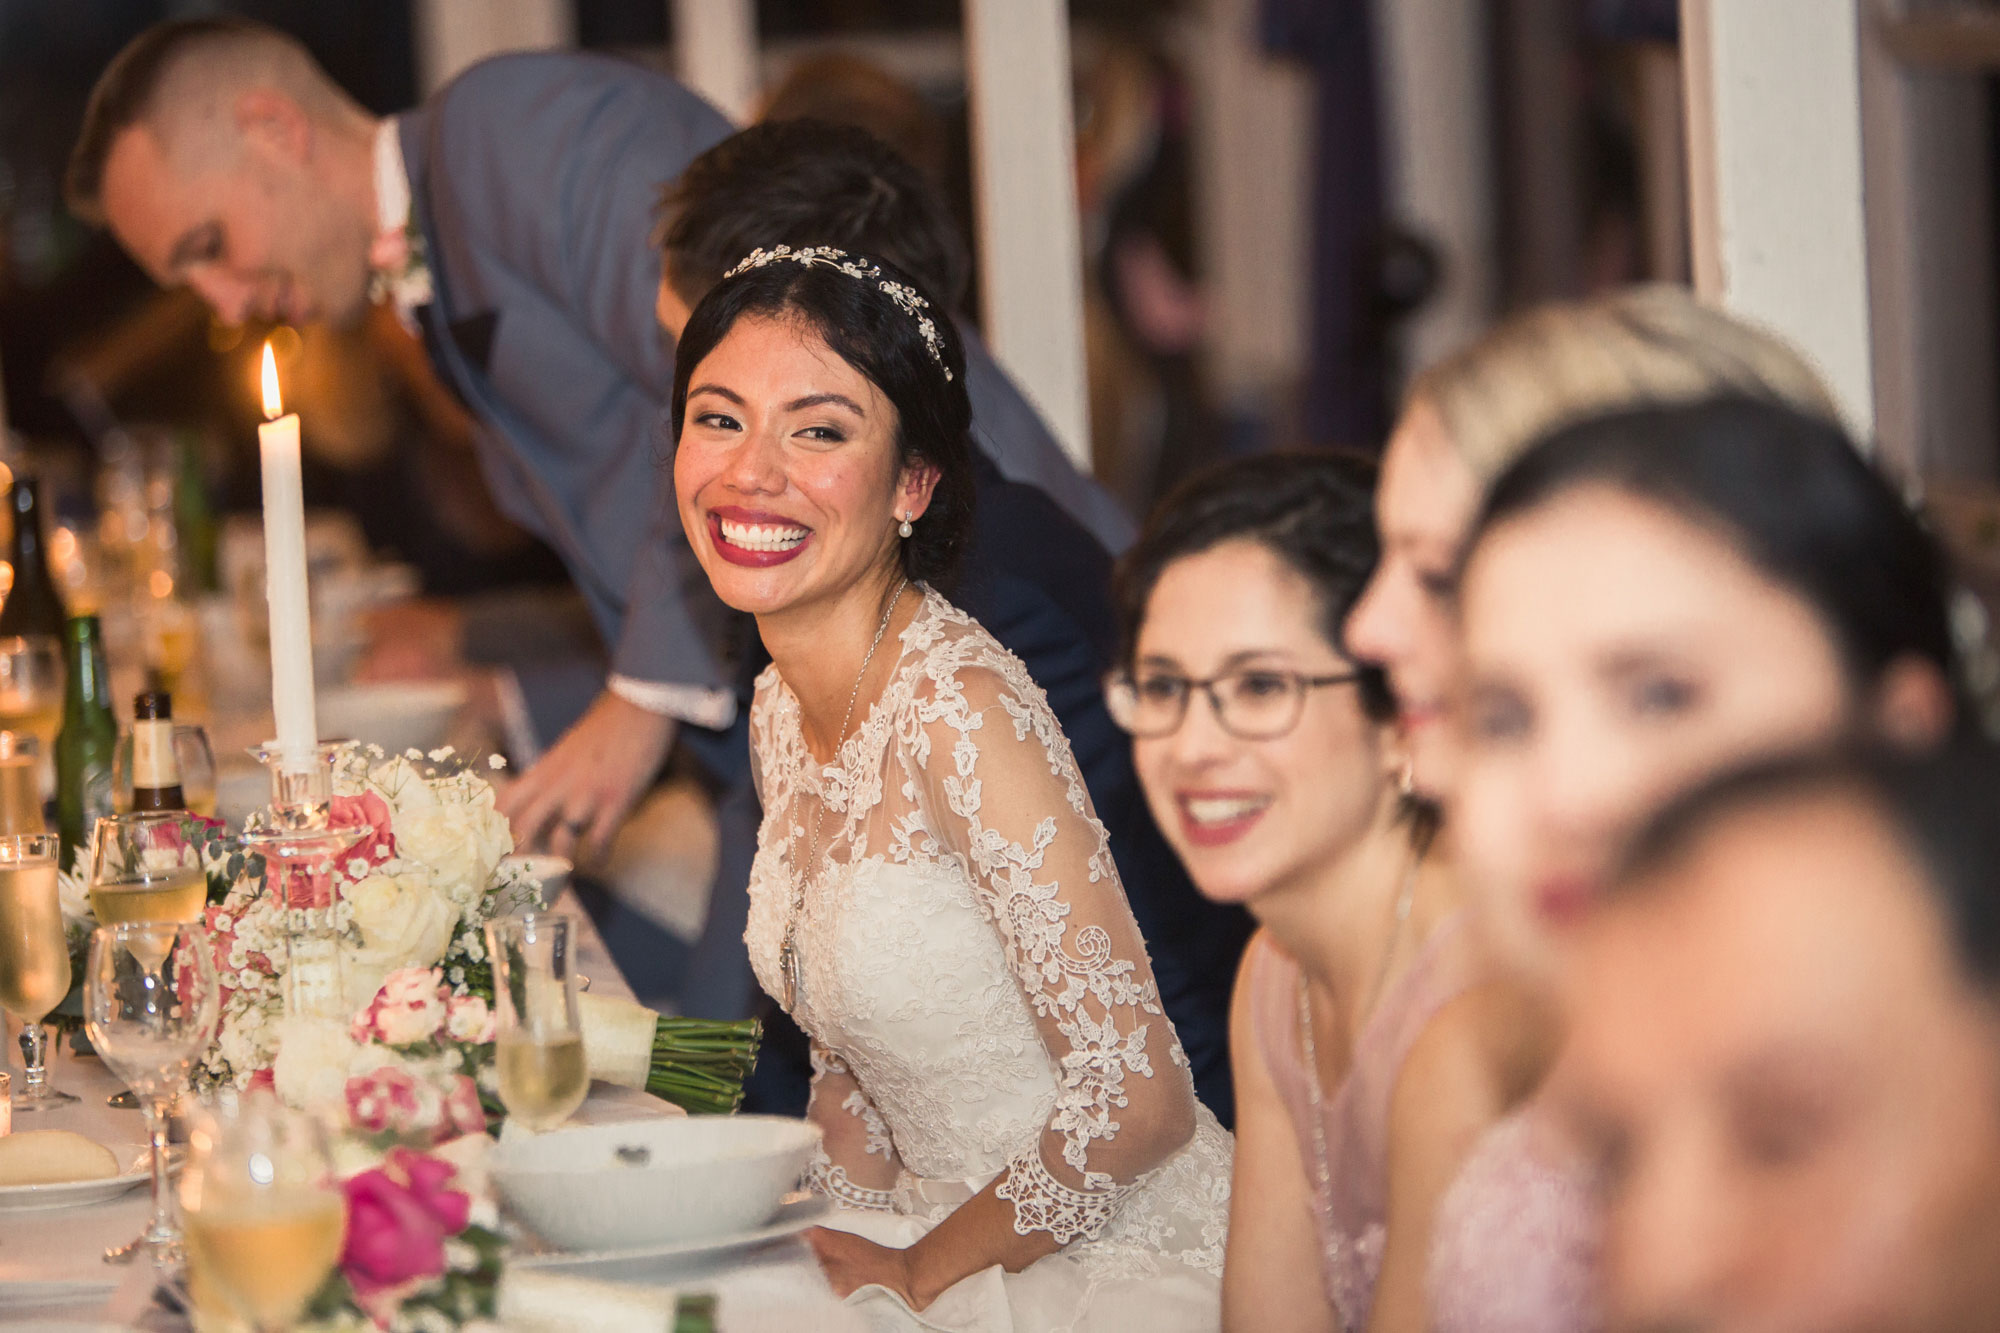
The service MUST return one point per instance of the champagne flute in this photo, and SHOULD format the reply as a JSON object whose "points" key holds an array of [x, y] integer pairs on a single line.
{"points": [[150, 1003], [34, 957], [31, 694], [265, 1217], [539, 1049], [21, 784]]}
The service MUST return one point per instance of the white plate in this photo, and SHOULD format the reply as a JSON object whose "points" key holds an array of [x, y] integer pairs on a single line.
{"points": [[76, 1193], [793, 1217]]}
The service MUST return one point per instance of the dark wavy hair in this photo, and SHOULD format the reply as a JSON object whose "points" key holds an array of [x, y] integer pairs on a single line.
{"points": [[870, 332], [1313, 511], [1794, 497], [784, 179], [1943, 809]]}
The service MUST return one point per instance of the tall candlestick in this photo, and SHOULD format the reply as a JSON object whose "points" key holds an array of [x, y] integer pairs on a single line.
{"points": [[285, 578]]}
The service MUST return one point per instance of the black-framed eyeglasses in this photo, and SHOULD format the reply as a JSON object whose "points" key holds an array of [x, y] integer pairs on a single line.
{"points": [[1253, 704]]}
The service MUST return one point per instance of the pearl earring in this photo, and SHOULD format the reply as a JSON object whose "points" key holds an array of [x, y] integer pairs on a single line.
{"points": [[903, 529]]}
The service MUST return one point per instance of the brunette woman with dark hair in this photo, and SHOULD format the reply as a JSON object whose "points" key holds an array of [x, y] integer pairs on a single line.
{"points": [[1648, 598], [933, 899], [1270, 758]]}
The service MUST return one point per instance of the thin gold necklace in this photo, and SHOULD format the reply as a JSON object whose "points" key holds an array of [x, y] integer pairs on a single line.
{"points": [[788, 953]]}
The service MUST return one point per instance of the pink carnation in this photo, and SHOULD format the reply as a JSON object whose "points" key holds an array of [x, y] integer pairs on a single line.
{"points": [[462, 1111], [390, 1101], [399, 1216], [469, 1019], [408, 1009]]}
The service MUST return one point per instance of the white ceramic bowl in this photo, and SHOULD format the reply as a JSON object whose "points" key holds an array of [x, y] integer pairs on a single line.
{"points": [[678, 1179]]}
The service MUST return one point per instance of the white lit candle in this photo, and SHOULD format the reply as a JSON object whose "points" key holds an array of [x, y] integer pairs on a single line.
{"points": [[285, 578]]}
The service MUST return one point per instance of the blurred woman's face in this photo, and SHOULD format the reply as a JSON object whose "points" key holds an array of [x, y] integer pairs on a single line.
{"points": [[1614, 653], [1251, 817], [1790, 1093], [787, 474], [1424, 503]]}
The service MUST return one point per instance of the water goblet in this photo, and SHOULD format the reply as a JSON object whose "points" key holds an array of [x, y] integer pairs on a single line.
{"points": [[150, 1004], [264, 1213], [538, 1051]]}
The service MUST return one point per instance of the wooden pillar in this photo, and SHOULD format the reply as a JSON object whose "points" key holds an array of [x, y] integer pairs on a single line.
{"points": [[715, 53], [452, 34], [1024, 173], [1775, 178]]}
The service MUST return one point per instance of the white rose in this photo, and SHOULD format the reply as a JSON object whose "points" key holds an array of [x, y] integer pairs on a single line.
{"points": [[444, 844], [311, 1068], [403, 921], [490, 829]]}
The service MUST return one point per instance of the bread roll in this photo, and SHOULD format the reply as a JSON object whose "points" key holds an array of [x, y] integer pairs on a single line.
{"points": [[53, 1157]]}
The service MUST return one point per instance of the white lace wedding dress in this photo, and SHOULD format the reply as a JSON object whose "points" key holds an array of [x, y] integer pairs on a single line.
{"points": [[979, 999]]}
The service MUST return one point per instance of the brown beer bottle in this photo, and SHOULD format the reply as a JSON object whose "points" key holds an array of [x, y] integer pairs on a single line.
{"points": [[156, 772]]}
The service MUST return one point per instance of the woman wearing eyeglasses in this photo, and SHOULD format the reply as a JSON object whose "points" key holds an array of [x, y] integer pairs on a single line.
{"points": [[1359, 1027]]}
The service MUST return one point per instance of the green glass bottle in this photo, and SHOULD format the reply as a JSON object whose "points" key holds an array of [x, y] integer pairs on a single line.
{"points": [[89, 736], [33, 605]]}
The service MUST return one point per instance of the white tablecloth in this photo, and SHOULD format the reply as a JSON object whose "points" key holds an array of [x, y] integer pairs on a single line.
{"points": [[51, 1265]]}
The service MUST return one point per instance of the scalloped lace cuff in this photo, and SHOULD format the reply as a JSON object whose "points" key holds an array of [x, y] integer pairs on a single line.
{"points": [[1043, 1203], [831, 1180]]}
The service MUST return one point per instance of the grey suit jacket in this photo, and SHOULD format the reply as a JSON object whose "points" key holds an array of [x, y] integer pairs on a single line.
{"points": [[534, 179]]}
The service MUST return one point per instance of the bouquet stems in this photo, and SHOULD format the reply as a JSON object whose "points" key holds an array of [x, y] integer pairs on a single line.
{"points": [[699, 1064]]}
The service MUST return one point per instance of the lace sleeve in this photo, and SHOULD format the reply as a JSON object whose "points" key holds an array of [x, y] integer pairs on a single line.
{"points": [[993, 773], [855, 1133]]}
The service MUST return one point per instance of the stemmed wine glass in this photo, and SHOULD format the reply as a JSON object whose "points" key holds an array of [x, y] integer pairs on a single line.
{"points": [[146, 867], [265, 1217], [150, 1003], [538, 1052], [34, 957]]}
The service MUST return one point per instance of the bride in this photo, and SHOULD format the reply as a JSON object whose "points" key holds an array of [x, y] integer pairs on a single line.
{"points": [[1011, 1132]]}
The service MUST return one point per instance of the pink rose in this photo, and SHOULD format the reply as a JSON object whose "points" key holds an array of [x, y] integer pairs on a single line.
{"points": [[399, 1216], [369, 811], [462, 1111], [469, 1019], [388, 1100]]}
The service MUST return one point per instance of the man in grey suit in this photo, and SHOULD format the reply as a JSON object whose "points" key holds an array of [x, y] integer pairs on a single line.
{"points": [[507, 220]]}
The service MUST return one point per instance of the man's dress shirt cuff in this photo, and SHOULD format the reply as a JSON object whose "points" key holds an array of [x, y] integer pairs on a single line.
{"points": [[693, 704]]}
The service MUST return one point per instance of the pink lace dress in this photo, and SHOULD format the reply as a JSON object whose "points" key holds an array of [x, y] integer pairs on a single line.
{"points": [[1514, 1241], [1352, 1207]]}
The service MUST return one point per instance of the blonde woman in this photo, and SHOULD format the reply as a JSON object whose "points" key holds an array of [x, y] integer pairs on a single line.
{"points": [[1467, 417], [1513, 1239]]}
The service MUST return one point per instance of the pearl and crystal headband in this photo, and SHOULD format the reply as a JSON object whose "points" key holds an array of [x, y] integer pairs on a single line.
{"points": [[826, 256]]}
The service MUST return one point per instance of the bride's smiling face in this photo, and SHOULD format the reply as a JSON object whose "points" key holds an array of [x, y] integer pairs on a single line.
{"points": [[787, 475]]}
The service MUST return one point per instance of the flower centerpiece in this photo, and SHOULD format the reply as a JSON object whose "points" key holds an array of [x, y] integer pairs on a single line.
{"points": [[427, 869]]}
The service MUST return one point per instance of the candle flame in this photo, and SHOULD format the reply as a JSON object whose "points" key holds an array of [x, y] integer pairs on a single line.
{"points": [[274, 407]]}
